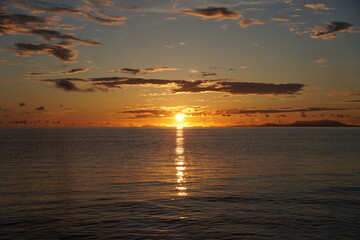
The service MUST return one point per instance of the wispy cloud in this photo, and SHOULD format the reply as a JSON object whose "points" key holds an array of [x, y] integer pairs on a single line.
{"points": [[37, 74], [51, 35], [321, 60], [246, 22], [91, 10], [241, 88], [286, 110], [41, 108], [318, 6], [14, 23], [75, 70], [56, 50], [213, 12], [280, 19], [331, 30], [204, 74], [145, 70], [68, 86]]}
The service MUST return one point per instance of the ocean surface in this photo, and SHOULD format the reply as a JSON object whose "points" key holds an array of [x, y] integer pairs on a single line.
{"points": [[191, 183]]}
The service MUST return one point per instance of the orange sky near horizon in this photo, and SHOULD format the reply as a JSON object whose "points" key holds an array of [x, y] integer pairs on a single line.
{"points": [[140, 63]]}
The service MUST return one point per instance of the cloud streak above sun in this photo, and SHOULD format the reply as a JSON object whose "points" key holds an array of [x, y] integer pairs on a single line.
{"points": [[135, 71], [185, 86]]}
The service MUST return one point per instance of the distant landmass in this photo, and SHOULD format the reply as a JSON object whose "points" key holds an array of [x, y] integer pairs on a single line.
{"points": [[318, 123]]}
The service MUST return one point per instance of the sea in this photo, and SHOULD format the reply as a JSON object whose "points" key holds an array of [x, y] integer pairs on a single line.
{"points": [[180, 183]]}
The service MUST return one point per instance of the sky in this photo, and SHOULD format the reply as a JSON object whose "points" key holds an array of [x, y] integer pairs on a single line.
{"points": [[133, 63]]}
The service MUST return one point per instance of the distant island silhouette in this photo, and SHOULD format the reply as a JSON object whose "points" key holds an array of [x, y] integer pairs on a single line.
{"points": [[317, 123]]}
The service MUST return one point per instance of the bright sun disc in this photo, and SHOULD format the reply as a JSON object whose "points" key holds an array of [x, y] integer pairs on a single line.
{"points": [[180, 117]]}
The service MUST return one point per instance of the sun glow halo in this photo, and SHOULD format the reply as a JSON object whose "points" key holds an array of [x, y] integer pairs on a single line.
{"points": [[180, 117]]}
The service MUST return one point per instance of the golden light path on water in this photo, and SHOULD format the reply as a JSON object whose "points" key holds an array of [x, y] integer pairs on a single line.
{"points": [[180, 162]]}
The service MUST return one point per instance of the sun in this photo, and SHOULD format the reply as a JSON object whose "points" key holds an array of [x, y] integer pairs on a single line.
{"points": [[180, 117]]}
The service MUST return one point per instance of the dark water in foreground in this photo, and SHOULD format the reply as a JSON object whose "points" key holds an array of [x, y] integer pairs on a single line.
{"points": [[211, 183]]}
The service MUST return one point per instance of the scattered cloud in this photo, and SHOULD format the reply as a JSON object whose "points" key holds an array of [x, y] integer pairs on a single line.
{"points": [[204, 74], [51, 35], [146, 70], [22, 104], [354, 101], [175, 45], [318, 6], [9, 63], [254, 9], [56, 50], [302, 111], [90, 10], [280, 19], [149, 113], [321, 60], [213, 12], [246, 22], [331, 29], [132, 8], [36, 74], [75, 70], [68, 86], [14, 23], [40, 108]]}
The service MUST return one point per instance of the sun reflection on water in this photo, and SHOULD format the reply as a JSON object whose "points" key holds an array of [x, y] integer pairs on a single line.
{"points": [[180, 163]]}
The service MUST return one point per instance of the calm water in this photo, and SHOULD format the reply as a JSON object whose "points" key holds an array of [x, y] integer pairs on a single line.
{"points": [[211, 183]]}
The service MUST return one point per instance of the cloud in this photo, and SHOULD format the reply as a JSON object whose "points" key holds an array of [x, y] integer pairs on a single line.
{"points": [[354, 101], [287, 110], [71, 87], [9, 63], [22, 104], [55, 50], [239, 88], [93, 10], [318, 6], [321, 60], [246, 22], [213, 12], [204, 74], [40, 108], [67, 85], [51, 35], [280, 113], [280, 19], [195, 86], [149, 113], [331, 29], [13, 23], [146, 70], [75, 70], [132, 8], [36, 74]]}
